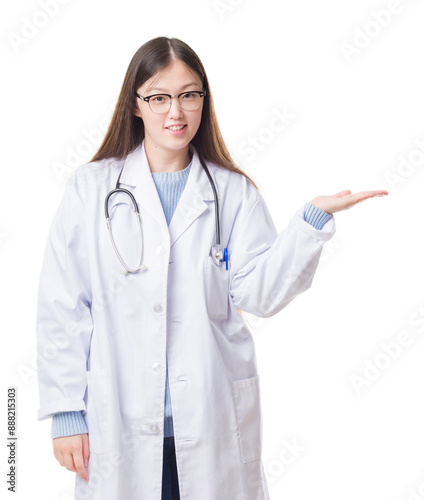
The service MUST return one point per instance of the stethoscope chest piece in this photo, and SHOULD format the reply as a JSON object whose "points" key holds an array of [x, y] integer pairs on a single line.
{"points": [[216, 255]]}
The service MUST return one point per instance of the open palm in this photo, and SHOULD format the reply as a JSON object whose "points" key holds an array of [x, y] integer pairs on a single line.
{"points": [[344, 200]]}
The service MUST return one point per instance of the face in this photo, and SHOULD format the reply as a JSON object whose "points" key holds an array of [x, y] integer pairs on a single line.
{"points": [[173, 80]]}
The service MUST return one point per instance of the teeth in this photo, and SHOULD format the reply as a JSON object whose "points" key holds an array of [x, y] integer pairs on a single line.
{"points": [[176, 128]]}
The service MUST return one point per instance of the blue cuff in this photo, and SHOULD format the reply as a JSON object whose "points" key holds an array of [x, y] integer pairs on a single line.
{"points": [[68, 423], [315, 216]]}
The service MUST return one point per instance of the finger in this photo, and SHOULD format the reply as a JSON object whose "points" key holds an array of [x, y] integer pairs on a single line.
{"points": [[85, 448], [363, 195], [79, 465], [59, 457], [374, 192], [69, 461], [380, 192]]}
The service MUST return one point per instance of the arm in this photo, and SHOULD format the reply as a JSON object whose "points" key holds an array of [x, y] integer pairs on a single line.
{"points": [[64, 326], [315, 216], [268, 270], [68, 423], [64, 322]]}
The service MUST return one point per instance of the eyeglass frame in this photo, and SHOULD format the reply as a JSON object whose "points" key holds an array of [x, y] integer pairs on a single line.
{"points": [[201, 93]]}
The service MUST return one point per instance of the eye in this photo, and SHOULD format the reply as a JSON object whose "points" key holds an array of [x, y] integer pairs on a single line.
{"points": [[189, 95]]}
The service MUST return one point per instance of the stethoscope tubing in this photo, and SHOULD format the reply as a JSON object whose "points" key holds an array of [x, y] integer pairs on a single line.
{"points": [[215, 251]]}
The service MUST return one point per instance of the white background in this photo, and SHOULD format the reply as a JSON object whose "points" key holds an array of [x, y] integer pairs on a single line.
{"points": [[353, 120]]}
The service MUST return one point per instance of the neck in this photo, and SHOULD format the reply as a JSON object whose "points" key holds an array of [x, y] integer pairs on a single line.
{"points": [[161, 160]]}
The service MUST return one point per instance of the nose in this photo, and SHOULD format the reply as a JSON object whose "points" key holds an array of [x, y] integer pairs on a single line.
{"points": [[175, 110]]}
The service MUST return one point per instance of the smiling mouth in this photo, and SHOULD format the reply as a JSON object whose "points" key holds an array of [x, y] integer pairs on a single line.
{"points": [[174, 127]]}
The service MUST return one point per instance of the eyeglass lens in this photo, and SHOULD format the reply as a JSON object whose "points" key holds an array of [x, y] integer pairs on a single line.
{"points": [[189, 101]]}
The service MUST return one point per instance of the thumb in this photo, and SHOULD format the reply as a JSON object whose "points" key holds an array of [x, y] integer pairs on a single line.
{"points": [[85, 449], [342, 193]]}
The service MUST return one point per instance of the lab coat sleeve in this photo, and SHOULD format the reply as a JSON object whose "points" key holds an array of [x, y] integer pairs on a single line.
{"points": [[268, 270], [64, 322]]}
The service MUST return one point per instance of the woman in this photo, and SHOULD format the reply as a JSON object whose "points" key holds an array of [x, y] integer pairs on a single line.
{"points": [[153, 371]]}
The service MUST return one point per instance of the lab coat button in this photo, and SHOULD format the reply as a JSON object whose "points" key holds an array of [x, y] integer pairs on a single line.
{"points": [[154, 429], [160, 250], [157, 308], [157, 367]]}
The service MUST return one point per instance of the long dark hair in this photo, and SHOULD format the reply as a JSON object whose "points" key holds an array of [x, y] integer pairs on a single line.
{"points": [[126, 131]]}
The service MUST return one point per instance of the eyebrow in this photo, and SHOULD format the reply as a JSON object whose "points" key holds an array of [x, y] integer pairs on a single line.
{"points": [[183, 87]]}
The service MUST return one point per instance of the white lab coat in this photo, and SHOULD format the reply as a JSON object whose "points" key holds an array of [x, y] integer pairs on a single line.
{"points": [[103, 337]]}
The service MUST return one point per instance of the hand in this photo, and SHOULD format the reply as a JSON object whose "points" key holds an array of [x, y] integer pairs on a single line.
{"points": [[73, 452], [344, 200]]}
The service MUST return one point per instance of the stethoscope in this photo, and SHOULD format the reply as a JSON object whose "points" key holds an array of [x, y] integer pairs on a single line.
{"points": [[216, 253]]}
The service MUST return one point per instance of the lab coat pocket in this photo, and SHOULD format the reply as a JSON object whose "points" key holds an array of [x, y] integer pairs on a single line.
{"points": [[247, 402], [216, 285], [96, 414]]}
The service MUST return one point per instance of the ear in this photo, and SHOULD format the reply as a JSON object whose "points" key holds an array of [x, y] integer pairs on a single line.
{"points": [[136, 112]]}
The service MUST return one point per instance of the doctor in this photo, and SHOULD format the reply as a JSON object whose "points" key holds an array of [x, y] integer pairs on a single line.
{"points": [[150, 376]]}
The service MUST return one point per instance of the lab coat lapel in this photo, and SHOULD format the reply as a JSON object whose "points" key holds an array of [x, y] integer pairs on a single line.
{"points": [[191, 204]]}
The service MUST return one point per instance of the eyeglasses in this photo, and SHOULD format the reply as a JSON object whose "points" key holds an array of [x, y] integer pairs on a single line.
{"points": [[161, 103]]}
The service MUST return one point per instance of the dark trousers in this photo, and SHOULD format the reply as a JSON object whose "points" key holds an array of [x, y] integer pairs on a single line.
{"points": [[170, 490]]}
